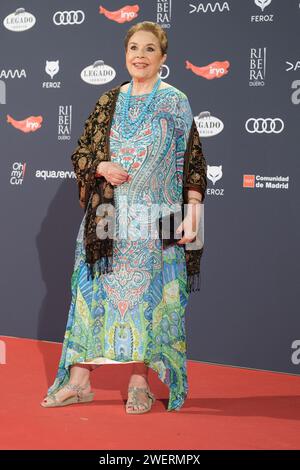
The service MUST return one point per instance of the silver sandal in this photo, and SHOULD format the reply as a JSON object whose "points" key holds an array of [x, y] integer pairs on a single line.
{"points": [[134, 401], [78, 398]]}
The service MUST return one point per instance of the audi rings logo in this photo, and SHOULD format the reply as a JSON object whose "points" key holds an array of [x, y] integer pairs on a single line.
{"points": [[68, 17], [264, 125]]}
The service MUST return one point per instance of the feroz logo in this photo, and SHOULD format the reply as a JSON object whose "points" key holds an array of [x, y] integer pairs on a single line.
{"points": [[262, 3], [19, 21], [51, 68], [264, 125], [63, 18], [98, 73], [215, 173]]}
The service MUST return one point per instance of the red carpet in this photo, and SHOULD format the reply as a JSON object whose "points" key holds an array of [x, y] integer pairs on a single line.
{"points": [[227, 408]]}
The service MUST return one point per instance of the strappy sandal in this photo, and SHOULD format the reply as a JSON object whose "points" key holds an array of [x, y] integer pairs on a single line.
{"points": [[135, 402], [79, 398]]}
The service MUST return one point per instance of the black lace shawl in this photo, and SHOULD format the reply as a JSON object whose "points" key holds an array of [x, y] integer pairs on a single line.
{"points": [[92, 148]]}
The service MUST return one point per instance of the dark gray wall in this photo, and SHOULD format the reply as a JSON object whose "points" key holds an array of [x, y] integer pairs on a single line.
{"points": [[247, 312]]}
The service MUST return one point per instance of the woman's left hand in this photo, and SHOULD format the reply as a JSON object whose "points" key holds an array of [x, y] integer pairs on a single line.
{"points": [[190, 224]]}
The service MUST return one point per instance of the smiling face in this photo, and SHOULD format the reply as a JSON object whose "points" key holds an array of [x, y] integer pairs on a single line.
{"points": [[143, 56]]}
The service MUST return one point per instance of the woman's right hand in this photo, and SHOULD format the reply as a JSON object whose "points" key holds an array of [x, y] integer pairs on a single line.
{"points": [[114, 173]]}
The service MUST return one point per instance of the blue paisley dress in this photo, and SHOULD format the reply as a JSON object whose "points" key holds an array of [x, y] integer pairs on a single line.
{"points": [[137, 312]]}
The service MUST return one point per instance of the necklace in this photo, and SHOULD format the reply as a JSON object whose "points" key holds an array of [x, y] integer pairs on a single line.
{"points": [[134, 124]]}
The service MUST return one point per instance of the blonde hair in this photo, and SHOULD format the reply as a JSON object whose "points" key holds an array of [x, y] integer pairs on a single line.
{"points": [[154, 28]]}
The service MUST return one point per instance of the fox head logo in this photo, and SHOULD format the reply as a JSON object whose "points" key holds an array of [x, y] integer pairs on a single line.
{"points": [[262, 3], [214, 173], [52, 67]]}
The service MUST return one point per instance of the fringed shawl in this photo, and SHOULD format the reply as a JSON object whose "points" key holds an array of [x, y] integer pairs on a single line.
{"points": [[93, 148]]}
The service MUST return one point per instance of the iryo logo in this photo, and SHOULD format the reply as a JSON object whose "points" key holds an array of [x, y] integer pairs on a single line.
{"points": [[214, 70], [122, 15]]}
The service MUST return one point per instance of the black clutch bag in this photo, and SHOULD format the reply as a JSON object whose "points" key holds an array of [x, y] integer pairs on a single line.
{"points": [[167, 225]]}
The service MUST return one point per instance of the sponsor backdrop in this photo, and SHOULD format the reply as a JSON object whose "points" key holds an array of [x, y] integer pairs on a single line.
{"points": [[239, 64]]}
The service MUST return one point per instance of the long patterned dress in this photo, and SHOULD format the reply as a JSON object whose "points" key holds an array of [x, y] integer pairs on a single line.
{"points": [[137, 312]]}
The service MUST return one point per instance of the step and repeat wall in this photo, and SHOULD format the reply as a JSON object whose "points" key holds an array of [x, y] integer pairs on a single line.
{"points": [[238, 61]]}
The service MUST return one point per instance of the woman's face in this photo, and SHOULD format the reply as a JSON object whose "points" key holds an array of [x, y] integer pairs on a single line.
{"points": [[143, 56]]}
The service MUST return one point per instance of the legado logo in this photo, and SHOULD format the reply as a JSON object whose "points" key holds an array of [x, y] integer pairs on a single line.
{"points": [[20, 20], [208, 125], [30, 124], [98, 73], [128, 13], [264, 125], [213, 70]]}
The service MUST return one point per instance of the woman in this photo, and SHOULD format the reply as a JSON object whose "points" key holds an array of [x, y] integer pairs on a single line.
{"points": [[135, 311]]}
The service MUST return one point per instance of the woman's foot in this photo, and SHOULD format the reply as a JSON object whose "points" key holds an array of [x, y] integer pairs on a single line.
{"points": [[69, 390], [78, 385], [138, 399]]}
